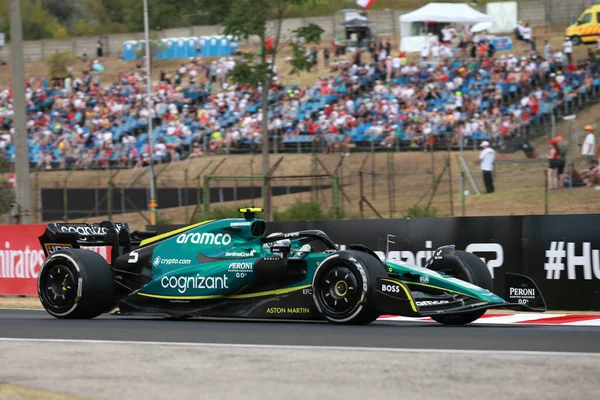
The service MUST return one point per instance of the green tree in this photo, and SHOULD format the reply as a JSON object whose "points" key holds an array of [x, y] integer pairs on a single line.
{"points": [[101, 17], [7, 197], [59, 62], [249, 18], [38, 23], [172, 13]]}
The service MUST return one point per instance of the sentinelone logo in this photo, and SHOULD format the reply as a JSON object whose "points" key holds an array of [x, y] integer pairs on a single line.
{"points": [[183, 283], [204, 238]]}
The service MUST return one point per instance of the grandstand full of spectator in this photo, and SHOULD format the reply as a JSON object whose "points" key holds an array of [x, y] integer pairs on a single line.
{"points": [[460, 89]]}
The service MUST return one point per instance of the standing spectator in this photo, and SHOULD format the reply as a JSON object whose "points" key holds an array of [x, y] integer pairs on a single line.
{"points": [[562, 154], [100, 48], [553, 164], [533, 43], [486, 159], [589, 145], [547, 50], [425, 53], [568, 49]]}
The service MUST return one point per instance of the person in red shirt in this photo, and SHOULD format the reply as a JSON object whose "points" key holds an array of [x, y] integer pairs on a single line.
{"points": [[554, 159], [534, 106]]}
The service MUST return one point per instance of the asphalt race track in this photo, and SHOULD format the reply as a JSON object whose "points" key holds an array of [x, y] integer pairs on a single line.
{"points": [[122, 357], [381, 334]]}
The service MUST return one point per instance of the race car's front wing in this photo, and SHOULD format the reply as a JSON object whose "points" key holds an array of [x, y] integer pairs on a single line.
{"points": [[393, 297]]}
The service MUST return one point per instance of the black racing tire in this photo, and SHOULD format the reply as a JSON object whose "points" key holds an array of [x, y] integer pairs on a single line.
{"points": [[477, 273], [351, 299], [576, 40], [76, 284]]}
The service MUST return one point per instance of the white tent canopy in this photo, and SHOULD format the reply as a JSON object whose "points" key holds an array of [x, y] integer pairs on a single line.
{"points": [[437, 12], [446, 12]]}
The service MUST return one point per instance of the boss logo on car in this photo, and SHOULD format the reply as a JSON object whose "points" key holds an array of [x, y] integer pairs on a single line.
{"points": [[390, 288]]}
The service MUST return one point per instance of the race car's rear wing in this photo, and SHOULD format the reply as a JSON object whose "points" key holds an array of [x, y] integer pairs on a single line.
{"points": [[59, 236]]}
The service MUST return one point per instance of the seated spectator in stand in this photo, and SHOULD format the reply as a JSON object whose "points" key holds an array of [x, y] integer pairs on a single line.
{"points": [[578, 179]]}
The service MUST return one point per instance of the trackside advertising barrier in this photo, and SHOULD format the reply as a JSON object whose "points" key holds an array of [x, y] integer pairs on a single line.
{"points": [[21, 257], [560, 252]]}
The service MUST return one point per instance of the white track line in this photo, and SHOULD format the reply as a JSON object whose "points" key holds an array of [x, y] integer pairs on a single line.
{"points": [[513, 319], [300, 347]]}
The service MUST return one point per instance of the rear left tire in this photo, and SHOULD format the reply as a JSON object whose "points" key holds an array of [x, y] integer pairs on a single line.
{"points": [[76, 284]]}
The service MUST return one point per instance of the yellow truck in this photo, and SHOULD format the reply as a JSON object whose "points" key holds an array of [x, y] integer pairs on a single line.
{"points": [[587, 27]]}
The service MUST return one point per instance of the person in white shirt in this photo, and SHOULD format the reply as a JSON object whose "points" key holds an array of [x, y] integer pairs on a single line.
{"points": [[435, 51], [486, 160], [526, 32], [446, 35], [589, 145], [568, 49], [425, 53], [547, 50], [397, 63]]}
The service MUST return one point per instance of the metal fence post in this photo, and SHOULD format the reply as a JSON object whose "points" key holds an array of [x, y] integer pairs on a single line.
{"points": [[36, 194], [336, 195], [65, 197], [186, 194], [109, 198], [390, 176], [546, 192], [362, 195], [462, 192], [206, 195]]}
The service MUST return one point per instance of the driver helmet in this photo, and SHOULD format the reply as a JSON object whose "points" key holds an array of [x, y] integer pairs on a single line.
{"points": [[267, 246]]}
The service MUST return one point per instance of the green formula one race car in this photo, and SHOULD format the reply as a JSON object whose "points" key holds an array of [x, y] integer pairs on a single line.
{"points": [[230, 268]]}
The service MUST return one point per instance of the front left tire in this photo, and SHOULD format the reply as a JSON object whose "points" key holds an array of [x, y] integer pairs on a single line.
{"points": [[76, 284], [344, 287]]}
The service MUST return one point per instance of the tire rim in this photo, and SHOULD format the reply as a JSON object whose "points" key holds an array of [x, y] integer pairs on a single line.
{"points": [[339, 290], [59, 288]]}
